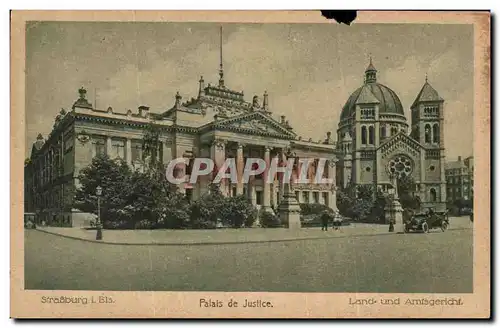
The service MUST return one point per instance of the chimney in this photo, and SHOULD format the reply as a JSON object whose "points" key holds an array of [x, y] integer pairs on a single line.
{"points": [[282, 119], [143, 111], [459, 158]]}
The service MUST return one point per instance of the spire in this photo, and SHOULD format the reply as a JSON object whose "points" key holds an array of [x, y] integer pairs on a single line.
{"points": [[265, 103], [201, 91], [370, 73], [427, 94], [221, 69]]}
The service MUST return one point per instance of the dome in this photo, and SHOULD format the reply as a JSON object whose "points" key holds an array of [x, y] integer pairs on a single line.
{"points": [[388, 100]]}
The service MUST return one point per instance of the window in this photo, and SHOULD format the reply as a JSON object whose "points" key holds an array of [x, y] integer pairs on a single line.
{"points": [[427, 133], [394, 130], [99, 146], [316, 197], [363, 135], [297, 195], [305, 196], [117, 149], [435, 133], [371, 135], [382, 132], [258, 197], [433, 195], [136, 149], [325, 198]]}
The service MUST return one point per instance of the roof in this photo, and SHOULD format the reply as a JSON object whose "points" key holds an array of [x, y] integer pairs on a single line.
{"points": [[455, 165], [387, 99], [427, 93], [370, 67], [366, 96]]}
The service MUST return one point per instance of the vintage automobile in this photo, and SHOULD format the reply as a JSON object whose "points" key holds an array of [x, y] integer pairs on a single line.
{"points": [[425, 221]]}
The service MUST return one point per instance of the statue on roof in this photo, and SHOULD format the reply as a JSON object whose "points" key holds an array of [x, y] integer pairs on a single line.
{"points": [[255, 102]]}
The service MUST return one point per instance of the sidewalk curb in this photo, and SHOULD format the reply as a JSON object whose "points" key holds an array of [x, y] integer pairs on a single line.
{"points": [[223, 242]]}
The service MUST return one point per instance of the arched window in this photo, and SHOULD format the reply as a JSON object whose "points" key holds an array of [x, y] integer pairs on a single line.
{"points": [[435, 133], [427, 133], [363, 135], [382, 132], [371, 135], [433, 195]]}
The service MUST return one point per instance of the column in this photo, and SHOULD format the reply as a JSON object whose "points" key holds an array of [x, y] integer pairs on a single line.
{"points": [[267, 185], [108, 146], [251, 196], [311, 197], [240, 166], [218, 154], [128, 152], [281, 157], [332, 195]]}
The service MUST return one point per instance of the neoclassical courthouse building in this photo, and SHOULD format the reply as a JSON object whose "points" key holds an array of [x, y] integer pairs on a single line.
{"points": [[373, 142]]}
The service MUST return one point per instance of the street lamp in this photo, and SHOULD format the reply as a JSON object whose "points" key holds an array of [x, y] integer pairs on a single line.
{"points": [[98, 192]]}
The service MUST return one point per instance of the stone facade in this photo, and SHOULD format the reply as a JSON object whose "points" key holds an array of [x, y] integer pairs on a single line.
{"points": [[375, 140], [218, 123]]}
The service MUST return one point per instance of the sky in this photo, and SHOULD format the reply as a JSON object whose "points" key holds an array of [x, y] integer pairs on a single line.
{"points": [[308, 70]]}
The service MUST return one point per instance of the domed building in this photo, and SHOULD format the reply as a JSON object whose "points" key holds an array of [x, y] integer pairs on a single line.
{"points": [[376, 144]]}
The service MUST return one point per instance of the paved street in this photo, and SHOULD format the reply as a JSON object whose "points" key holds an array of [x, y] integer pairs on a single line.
{"points": [[427, 263]]}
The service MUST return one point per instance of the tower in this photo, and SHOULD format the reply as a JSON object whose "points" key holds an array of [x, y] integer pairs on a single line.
{"points": [[221, 67], [427, 122], [366, 126]]}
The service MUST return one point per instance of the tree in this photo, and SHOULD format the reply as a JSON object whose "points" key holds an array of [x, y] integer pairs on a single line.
{"points": [[113, 177], [151, 150], [205, 211], [365, 192], [344, 203], [238, 212], [406, 188]]}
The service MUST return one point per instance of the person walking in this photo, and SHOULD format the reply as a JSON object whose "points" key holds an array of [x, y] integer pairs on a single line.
{"points": [[337, 221], [325, 217]]}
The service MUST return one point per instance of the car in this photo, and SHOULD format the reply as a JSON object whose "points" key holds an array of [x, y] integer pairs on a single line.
{"points": [[425, 221]]}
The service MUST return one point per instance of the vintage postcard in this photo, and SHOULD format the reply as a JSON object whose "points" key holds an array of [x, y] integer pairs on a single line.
{"points": [[250, 165]]}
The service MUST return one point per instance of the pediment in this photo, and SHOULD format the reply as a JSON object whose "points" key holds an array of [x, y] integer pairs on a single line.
{"points": [[400, 143], [255, 123]]}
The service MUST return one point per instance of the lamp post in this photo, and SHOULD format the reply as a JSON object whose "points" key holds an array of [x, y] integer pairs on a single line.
{"points": [[98, 192]]}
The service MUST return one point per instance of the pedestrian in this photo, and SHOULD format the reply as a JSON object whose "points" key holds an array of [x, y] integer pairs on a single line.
{"points": [[391, 225], [337, 221], [325, 217]]}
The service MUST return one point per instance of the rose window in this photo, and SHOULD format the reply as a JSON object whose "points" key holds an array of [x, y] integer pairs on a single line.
{"points": [[400, 165]]}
